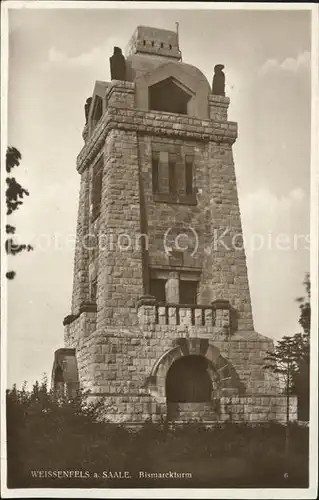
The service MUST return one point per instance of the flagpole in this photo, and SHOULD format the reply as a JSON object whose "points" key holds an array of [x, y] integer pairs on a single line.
{"points": [[177, 33]]}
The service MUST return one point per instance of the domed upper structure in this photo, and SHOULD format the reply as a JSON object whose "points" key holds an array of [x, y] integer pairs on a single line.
{"points": [[163, 82]]}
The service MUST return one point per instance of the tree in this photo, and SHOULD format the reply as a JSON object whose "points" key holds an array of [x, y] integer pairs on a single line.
{"points": [[14, 199], [304, 304], [301, 378], [284, 362], [291, 359]]}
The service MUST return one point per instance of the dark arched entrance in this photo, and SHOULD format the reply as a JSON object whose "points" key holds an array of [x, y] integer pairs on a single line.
{"points": [[188, 380]]}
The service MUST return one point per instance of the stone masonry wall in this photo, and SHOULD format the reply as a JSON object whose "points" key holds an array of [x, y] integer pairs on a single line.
{"points": [[122, 360], [120, 280], [226, 268], [163, 216], [80, 292], [251, 409], [223, 270], [119, 365], [119, 354], [127, 149]]}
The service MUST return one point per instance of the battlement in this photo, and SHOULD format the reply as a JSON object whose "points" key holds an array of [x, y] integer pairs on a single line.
{"points": [[154, 41]]}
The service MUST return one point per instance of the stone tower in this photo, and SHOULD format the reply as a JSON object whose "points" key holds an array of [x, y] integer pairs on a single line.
{"points": [[161, 322]]}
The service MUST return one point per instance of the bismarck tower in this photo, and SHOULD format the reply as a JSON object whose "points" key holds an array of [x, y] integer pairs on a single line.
{"points": [[161, 322]]}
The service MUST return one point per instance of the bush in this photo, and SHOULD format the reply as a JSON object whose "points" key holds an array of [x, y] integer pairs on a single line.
{"points": [[58, 434]]}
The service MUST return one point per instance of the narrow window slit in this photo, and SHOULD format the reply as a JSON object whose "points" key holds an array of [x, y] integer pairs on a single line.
{"points": [[189, 160], [155, 168], [166, 315], [193, 316], [172, 181], [203, 317], [177, 316]]}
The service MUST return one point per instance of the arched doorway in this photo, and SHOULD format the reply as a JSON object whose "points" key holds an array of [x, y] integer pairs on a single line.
{"points": [[188, 380]]}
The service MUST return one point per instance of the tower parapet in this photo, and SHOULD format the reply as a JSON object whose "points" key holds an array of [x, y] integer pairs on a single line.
{"points": [[155, 41]]}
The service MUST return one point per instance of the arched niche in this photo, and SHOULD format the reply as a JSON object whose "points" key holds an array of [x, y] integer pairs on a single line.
{"points": [[187, 83], [64, 379], [224, 377], [169, 95]]}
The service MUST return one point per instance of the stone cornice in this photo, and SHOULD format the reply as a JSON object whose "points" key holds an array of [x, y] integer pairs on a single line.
{"points": [[84, 308], [146, 300], [64, 351], [155, 124], [120, 86]]}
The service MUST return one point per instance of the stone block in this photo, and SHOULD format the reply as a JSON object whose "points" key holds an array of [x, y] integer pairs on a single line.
{"points": [[172, 319], [185, 316]]}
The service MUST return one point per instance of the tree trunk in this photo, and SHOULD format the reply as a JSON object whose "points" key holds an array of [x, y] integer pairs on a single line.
{"points": [[287, 411]]}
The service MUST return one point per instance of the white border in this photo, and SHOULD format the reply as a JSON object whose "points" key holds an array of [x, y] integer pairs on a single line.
{"points": [[139, 5], [272, 493], [314, 266], [3, 280]]}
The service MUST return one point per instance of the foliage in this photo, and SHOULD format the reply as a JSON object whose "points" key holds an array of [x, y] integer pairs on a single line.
{"points": [[283, 360], [14, 199], [290, 358], [301, 379], [50, 433], [304, 305], [61, 409]]}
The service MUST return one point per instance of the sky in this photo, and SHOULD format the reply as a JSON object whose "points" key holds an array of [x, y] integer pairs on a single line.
{"points": [[56, 55]]}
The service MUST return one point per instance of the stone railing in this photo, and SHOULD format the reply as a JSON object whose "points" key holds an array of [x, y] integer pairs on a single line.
{"points": [[151, 312]]}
